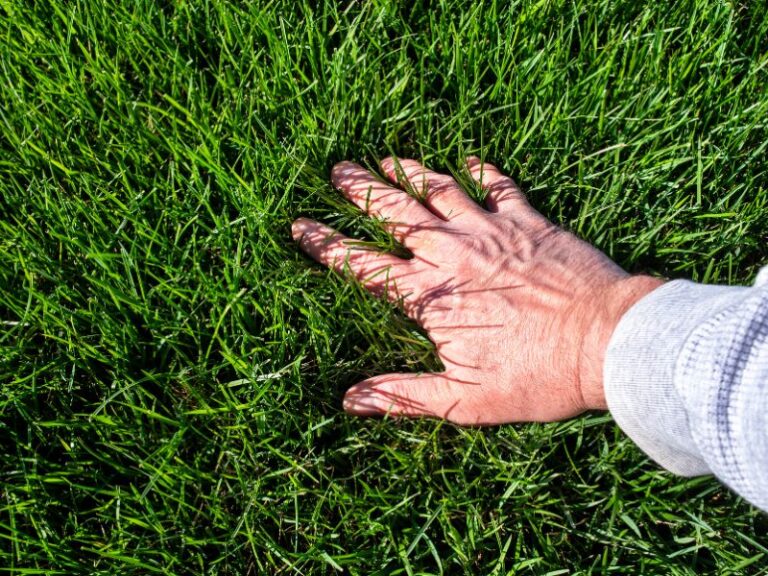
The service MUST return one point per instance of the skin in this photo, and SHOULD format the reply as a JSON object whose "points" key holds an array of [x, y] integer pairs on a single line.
{"points": [[520, 311]]}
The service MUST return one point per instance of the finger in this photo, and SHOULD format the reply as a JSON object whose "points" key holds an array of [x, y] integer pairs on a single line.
{"points": [[379, 272], [504, 195], [416, 395], [440, 192], [405, 218]]}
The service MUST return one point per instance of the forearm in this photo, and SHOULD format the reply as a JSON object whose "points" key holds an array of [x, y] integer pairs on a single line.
{"points": [[686, 377]]}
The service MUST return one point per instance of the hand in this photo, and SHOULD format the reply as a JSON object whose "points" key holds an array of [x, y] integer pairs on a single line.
{"points": [[520, 311]]}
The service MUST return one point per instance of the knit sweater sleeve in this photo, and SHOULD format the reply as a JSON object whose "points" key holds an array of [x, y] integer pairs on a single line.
{"points": [[686, 377]]}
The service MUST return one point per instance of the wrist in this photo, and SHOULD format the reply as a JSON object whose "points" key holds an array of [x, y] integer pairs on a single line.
{"points": [[603, 313]]}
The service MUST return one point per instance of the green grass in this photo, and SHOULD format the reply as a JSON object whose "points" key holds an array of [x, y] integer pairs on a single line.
{"points": [[171, 366]]}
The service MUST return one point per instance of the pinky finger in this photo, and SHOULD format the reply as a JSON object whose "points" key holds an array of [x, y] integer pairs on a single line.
{"points": [[503, 193]]}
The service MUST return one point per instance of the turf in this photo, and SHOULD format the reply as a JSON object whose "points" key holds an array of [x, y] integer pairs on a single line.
{"points": [[171, 366]]}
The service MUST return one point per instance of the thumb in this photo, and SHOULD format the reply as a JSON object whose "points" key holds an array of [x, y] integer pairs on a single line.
{"points": [[415, 395]]}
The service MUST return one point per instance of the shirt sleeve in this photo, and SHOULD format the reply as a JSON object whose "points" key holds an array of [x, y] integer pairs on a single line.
{"points": [[686, 377]]}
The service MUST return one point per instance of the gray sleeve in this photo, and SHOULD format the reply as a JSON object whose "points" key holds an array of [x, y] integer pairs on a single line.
{"points": [[686, 377]]}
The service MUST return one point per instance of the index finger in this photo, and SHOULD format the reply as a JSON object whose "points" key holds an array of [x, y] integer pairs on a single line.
{"points": [[381, 273]]}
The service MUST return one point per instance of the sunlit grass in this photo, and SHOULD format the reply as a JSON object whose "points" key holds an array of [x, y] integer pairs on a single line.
{"points": [[171, 366]]}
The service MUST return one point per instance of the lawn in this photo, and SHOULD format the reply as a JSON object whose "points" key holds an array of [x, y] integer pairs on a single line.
{"points": [[172, 366]]}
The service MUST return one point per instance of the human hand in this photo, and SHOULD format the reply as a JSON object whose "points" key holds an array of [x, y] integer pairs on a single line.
{"points": [[520, 311]]}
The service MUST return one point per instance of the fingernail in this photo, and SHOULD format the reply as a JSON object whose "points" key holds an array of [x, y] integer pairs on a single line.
{"points": [[337, 172], [298, 228], [361, 404], [387, 164]]}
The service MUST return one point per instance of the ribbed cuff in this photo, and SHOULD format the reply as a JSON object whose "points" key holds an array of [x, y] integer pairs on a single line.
{"points": [[640, 365]]}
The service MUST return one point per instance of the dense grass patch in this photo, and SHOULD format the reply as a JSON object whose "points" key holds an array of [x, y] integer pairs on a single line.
{"points": [[171, 366]]}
